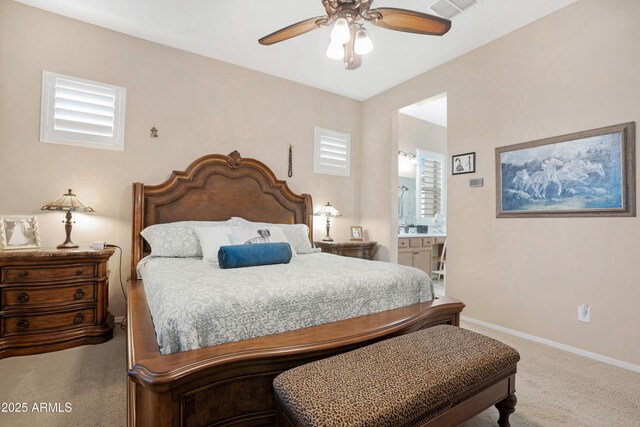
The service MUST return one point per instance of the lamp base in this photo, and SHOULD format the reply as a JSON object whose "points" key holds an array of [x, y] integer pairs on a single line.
{"points": [[327, 239], [68, 245]]}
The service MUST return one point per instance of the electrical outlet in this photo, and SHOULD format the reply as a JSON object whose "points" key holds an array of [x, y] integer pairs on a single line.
{"points": [[584, 313]]}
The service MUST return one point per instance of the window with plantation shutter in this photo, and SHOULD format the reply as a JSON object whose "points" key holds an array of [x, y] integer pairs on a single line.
{"points": [[82, 112], [431, 179], [332, 152]]}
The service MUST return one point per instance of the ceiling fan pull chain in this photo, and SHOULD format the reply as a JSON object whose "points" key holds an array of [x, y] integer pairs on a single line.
{"points": [[290, 173]]}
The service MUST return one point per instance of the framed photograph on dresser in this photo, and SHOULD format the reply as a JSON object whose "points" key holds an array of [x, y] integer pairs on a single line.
{"points": [[19, 232], [356, 233]]}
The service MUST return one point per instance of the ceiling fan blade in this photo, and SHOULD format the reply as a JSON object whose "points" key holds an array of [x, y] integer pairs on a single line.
{"points": [[410, 21], [293, 30]]}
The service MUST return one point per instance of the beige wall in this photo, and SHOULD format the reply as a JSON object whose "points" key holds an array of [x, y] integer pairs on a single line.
{"points": [[564, 73], [419, 134], [199, 106], [414, 134]]}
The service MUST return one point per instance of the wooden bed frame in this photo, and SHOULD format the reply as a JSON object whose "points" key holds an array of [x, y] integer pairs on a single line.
{"points": [[230, 384]]}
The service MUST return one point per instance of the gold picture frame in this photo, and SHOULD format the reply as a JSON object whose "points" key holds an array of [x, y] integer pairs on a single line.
{"points": [[19, 232], [356, 233]]}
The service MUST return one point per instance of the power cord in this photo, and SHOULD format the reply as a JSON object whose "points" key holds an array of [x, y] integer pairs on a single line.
{"points": [[123, 323]]}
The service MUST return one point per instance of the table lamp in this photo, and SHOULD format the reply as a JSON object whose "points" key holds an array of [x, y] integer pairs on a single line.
{"points": [[328, 211], [70, 203]]}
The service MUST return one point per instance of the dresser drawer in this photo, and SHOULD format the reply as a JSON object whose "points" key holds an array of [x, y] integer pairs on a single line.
{"points": [[403, 243], [428, 241], [47, 296], [38, 323], [24, 274]]}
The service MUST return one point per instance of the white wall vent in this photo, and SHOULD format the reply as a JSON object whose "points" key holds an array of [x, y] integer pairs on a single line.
{"points": [[82, 112], [332, 152], [450, 8]]}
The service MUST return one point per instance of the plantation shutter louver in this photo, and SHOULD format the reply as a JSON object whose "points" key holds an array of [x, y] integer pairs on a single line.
{"points": [[332, 152], [430, 187], [81, 112]]}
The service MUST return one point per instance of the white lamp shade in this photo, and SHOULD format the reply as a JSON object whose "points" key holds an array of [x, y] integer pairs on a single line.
{"points": [[340, 33], [335, 50], [328, 210], [363, 43]]}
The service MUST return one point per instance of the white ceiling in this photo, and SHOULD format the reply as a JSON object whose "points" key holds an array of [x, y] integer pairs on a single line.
{"points": [[229, 31], [432, 110]]}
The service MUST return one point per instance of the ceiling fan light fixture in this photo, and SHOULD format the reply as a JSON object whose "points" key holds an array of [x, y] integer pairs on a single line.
{"points": [[363, 43], [340, 32], [335, 50]]}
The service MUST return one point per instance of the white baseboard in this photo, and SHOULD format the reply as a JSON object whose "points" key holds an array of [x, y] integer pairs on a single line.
{"points": [[118, 319], [578, 351]]}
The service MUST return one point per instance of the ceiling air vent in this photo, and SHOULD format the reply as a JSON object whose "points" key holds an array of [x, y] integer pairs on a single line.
{"points": [[450, 8]]}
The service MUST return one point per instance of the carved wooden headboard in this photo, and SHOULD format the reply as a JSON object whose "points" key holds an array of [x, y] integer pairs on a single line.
{"points": [[215, 188]]}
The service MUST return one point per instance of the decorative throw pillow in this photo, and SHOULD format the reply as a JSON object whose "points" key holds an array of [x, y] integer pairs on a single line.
{"points": [[177, 239], [237, 256], [296, 234], [211, 239], [257, 235]]}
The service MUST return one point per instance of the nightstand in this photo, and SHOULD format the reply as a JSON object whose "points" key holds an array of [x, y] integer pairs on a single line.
{"points": [[53, 299], [354, 249]]}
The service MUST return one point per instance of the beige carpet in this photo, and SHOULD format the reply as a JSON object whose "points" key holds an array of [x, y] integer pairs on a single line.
{"points": [[554, 388], [92, 378]]}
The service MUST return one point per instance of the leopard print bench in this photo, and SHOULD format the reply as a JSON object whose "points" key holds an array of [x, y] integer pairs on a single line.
{"points": [[439, 376]]}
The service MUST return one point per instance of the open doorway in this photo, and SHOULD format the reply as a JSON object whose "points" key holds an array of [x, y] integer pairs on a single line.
{"points": [[422, 187]]}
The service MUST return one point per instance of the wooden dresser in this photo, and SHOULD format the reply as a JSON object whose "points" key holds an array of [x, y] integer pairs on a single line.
{"points": [[53, 299], [354, 249]]}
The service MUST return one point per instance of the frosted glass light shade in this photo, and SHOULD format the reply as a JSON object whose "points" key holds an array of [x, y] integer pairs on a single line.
{"points": [[363, 43], [335, 50], [340, 33]]}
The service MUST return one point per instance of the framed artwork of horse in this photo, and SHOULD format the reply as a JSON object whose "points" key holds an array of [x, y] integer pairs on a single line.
{"points": [[590, 173]]}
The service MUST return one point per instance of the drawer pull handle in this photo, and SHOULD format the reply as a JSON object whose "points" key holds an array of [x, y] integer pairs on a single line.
{"points": [[78, 319], [23, 298], [79, 272], [22, 274], [79, 294], [22, 325]]}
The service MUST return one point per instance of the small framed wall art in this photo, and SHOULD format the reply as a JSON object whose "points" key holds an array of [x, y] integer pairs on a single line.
{"points": [[463, 163], [356, 232], [19, 232]]}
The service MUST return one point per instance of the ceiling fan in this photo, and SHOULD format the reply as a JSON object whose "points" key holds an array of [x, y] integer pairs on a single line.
{"points": [[349, 38]]}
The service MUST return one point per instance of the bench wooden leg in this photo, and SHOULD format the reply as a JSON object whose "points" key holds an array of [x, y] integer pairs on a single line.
{"points": [[506, 407]]}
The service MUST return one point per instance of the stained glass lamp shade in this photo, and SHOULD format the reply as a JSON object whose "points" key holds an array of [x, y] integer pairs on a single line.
{"points": [[328, 211], [68, 202]]}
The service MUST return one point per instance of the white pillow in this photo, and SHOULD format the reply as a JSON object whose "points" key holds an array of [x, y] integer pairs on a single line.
{"points": [[211, 238], [257, 235], [177, 239], [296, 234]]}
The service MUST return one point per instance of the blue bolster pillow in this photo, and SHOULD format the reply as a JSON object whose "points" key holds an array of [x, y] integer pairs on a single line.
{"points": [[236, 256]]}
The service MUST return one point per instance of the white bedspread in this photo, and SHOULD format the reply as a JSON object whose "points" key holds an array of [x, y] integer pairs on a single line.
{"points": [[194, 305]]}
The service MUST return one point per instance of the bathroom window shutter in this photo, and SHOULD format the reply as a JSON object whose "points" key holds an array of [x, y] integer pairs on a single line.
{"points": [[430, 172]]}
